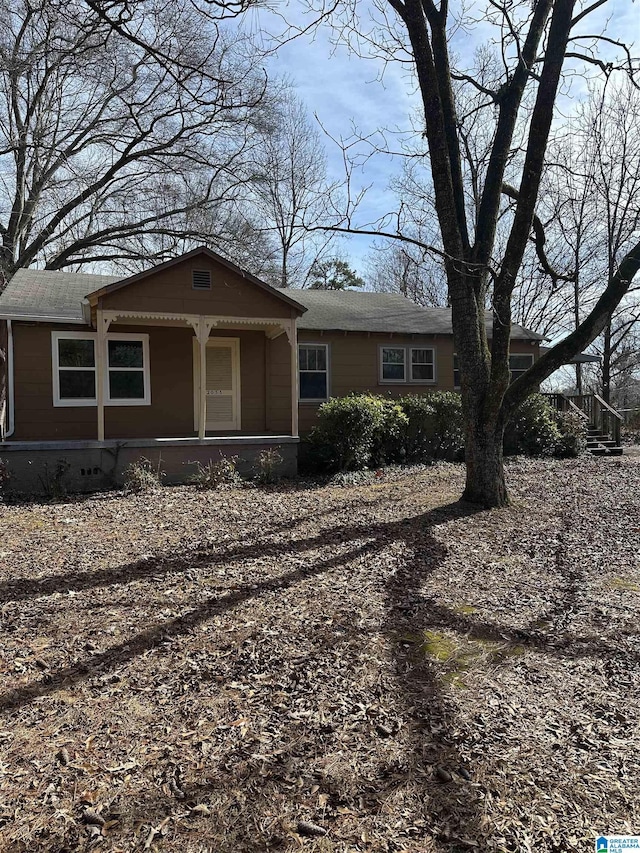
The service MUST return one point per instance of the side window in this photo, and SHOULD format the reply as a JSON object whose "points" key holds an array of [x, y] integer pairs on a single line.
{"points": [[313, 370], [422, 365], [128, 370], [519, 363], [456, 372], [74, 369], [393, 364]]}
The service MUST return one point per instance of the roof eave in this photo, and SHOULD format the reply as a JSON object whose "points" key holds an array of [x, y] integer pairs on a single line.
{"points": [[42, 318]]}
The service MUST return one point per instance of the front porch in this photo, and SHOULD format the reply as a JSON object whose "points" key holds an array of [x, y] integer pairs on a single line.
{"points": [[180, 363], [241, 373], [96, 465]]}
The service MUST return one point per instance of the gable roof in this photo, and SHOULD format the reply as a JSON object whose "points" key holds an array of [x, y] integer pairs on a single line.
{"points": [[57, 296], [362, 311], [208, 253]]}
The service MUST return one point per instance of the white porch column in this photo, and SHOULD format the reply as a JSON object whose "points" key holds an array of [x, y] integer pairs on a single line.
{"points": [[292, 334], [203, 334], [204, 326], [102, 324]]}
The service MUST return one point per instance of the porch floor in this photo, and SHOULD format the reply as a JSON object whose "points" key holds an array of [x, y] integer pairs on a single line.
{"points": [[180, 441]]}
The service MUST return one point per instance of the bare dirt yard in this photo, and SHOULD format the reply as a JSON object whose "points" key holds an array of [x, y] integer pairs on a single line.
{"points": [[370, 667]]}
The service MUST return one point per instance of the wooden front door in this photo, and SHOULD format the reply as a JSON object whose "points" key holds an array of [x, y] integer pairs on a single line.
{"points": [[222, 385]]}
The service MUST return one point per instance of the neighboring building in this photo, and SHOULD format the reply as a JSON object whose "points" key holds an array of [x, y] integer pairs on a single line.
{"points": [[196, 357]]}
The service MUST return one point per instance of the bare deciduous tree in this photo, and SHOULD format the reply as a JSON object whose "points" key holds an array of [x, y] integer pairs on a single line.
{"points": [[102, 140], [290, 187], [483, 252], [407, 269], [590, 201]]}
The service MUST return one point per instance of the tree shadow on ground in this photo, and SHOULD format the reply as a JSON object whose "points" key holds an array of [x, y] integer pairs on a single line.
{"points": [[444, 809]]}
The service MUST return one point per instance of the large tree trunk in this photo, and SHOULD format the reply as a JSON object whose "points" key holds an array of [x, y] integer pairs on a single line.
{"points": [[485, 483]]}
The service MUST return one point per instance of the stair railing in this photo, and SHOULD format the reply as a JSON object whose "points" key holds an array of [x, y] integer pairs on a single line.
{"points": [[609, 421], [577, 409], [593, 409]]}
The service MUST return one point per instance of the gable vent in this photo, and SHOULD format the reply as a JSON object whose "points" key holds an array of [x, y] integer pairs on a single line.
{"points": [[201, 280]]}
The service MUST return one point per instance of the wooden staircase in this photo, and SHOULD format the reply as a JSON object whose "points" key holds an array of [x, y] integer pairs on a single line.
{"points": [[602, 444], [604, 423]]}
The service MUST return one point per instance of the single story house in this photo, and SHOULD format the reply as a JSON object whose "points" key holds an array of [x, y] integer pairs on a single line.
{"points": [[196, 357]]}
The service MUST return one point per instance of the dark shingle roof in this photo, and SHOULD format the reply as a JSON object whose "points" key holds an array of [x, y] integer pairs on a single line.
{"points": [[50, 294], [360, 311], [53, 295]]}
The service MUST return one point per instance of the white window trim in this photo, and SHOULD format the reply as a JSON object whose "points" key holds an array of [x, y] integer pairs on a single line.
{"points": [[381, 378], [313, 344], [126, 401], [408, 349], [410, 365], [108, 401], [55, 355]]}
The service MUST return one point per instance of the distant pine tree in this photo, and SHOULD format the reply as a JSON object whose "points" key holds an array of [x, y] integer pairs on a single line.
{"points": [[333, 274]]}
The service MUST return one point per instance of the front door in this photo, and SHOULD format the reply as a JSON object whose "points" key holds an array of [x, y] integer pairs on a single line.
{"points": [[222, 385]]}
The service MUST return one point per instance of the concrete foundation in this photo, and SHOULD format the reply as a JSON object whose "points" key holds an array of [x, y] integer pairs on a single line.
{"points": [[42, 467]]}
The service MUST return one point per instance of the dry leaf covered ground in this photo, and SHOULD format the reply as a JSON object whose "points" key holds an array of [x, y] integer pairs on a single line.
{"points": [[340, 668]]}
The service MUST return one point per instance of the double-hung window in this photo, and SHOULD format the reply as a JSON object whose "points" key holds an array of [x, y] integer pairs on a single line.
{"points": [[313, 365], [422, 365], [407, 364], [126, 369], [519, 363], [393, 363], [74, 369]]}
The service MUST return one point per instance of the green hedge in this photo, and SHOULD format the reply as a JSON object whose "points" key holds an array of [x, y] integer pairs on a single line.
{"points": [[435, 429], [364, 430], [357, 431], [537, 429], [533, 430]]}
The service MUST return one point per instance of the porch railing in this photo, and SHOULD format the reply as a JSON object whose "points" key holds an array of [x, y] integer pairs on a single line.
{"points": [[592, 407]]}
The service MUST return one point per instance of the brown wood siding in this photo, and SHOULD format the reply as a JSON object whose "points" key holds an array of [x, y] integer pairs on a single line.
{"points": [[36, 418], [279, 386], [170, 414], [171, 291], [171, 367], [354, 360]]}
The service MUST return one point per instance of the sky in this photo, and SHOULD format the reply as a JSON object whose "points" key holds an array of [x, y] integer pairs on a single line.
{"points": [[345, 91]]}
